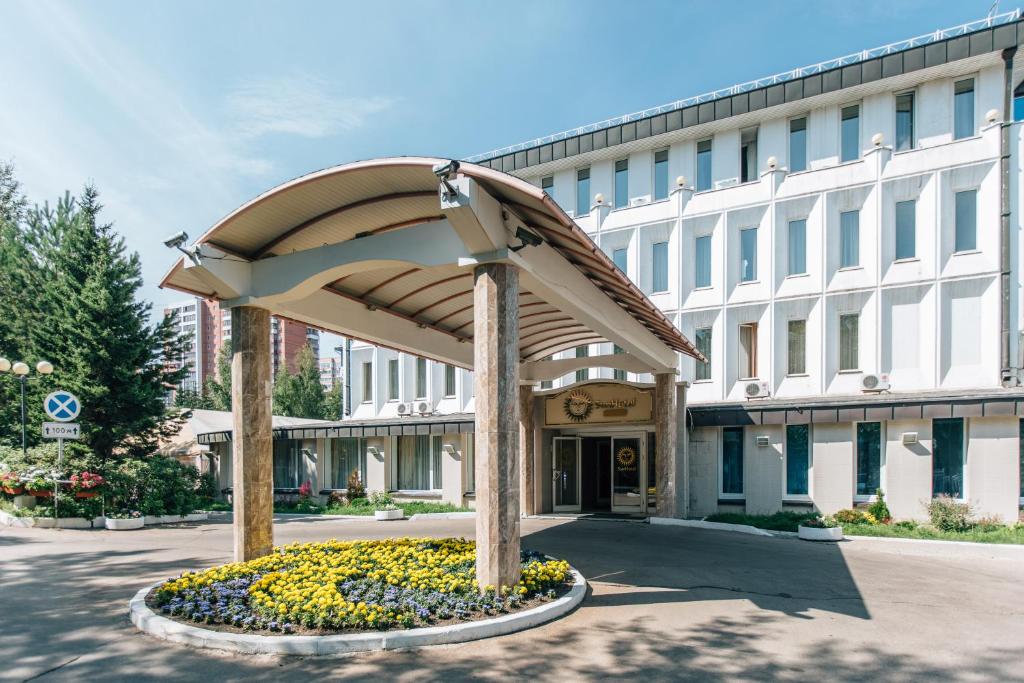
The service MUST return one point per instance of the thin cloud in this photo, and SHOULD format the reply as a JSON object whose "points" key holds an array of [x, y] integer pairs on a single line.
{"points": [[305, 106]]}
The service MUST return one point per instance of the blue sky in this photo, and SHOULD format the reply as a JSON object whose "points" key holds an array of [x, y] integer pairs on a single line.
{"points": [[181, 111]]}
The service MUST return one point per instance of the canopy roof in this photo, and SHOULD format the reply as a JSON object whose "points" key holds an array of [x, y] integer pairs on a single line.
{"points": [[372, 251]]}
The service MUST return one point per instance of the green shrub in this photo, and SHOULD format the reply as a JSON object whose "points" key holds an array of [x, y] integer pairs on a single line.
{"points": [[779, 521], [155, 485], [949, 514], [356, 489], [907, 524], [854, 516], [879, 510], [380, 500]]}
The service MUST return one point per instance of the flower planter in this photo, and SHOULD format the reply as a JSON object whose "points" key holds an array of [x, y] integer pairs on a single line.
{"points": [[14, 490], [810, 533], [125, 524], [40, 493], [388, 515], [85, 494]]}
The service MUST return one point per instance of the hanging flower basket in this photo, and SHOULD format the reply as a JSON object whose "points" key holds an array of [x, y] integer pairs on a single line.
{"points": [[40, 493], [14, 490], [86, 494]]}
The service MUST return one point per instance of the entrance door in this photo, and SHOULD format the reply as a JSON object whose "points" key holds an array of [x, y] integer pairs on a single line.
{"points": [[565, 465], [627, 474]]}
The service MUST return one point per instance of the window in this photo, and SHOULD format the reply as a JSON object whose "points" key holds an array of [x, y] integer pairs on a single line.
{"points": [[849, 239], [582, 352], [621, 183], [367, 382], [905, 228], [661, 174], [850, 133], [289, 470], [449, 380], [547, 384], [797, 347], [948, 457], [470, 454], [869, 458], [419, 463], [905, 121], [393, 379], [732, 461], [798, 460], [421, 378], [620, 258], [797, 247], [659, 272], [849, 352], [966, 220], [748, 255], [347, 455], [798, 145], [702, 340], [548, 185], [747, 367], [618, 374], [703, 165], [582, 192], [748, 155], [963, 109], [702, 261]]}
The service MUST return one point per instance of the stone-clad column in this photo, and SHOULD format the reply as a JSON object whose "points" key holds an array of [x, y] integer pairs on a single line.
{"points": [[496, 384], [669, 483], [253, 497], [526, 427]]}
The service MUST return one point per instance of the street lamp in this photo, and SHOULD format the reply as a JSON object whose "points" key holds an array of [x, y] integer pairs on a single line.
{"points": [[20, 371]]}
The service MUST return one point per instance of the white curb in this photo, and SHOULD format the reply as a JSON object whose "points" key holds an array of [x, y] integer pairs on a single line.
{"points": [[186, 634], [442, 515], [718, 526]]}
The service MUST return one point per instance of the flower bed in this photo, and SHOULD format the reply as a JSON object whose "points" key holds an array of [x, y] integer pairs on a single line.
{"points": [[338, 586]]}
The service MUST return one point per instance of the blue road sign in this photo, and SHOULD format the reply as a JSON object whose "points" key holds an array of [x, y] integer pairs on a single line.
{"points": [[62, 406]]}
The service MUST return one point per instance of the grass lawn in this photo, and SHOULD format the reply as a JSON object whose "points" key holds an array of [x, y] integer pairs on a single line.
{"points": [[780, 521]]}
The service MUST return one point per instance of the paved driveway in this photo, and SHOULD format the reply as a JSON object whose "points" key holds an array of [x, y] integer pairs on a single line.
{"points": [[666, 604]]}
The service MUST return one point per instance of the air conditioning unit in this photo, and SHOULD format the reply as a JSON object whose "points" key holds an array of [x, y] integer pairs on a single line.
{"points": [[726, 182], [640, 201], [423, 407], [874, 382], [756, 390], [405, 409], [763, 441], [909, 438]]}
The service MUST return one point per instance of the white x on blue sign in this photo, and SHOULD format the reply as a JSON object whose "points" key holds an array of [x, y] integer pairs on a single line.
{"points": [[62, 406]]}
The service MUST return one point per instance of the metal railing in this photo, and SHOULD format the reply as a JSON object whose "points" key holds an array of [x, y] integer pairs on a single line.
{"points": [[827, 65]]}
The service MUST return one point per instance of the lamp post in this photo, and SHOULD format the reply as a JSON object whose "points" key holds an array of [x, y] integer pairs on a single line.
{"points": [[20, 371]]}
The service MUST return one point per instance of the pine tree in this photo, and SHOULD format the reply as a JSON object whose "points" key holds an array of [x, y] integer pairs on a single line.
{"points": [[301, 394], [332, 403], [14, 264]]}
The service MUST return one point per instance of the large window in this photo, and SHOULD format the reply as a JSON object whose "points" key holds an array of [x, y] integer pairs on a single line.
{"points": [[449, 381], [661, 174], [393, 379], [703, 166], [621, 183], [904, 121], [548, 185], [796, 337], [798, 459], [948, 457], [346, 456], [798, 144], [702, 261], [966, 238], [797, 247], [618, 374], [421, 378], [620, 257], [748, 155], [849, 239], [869, 458], [419, 463], [582, 191], [582, 352], [732, 461], [963, 109], [849, 133], [367, 382], [849, 342], [747, 367], [702, 340], [659, 272], [748, 255], [906, 224], [289, 466]]}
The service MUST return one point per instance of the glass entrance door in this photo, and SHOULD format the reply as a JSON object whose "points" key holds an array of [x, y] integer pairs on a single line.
{"points": [[627, 474], [565, 465]]}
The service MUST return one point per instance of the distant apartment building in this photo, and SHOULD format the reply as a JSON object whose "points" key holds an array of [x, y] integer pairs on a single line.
{"points": [[330, 372]]}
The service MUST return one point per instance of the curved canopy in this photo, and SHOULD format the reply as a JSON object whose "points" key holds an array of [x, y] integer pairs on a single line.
{"points": [[375, 250]]}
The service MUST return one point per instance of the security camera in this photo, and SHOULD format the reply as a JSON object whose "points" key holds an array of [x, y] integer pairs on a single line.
{"points": [[446, 169], [527, 238], [177, 240]]}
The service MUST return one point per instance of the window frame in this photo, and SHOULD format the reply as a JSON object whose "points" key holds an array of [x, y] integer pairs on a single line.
{"points": [[912, 93], [797, 497], [839, 364], [751, 175], [624, 250], [789, 142], [582, 351], [586, 198], [710, 261], [753, 273], [450, 373], [842, 242], [654, 255], [860, 132], [616, 186], [751, 328], [722, 494], [394, 367], [421, 390], [332, 459], [956, 222], [964, 442], [654, 174], [882, 431], [789, 247], [549, 189], [896, 230], [368, 381], [789, 347], [973, 78], [697, 185], [699, 365]]}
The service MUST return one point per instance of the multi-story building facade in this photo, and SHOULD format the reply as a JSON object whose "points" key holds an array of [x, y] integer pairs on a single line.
{"points": [[330, 372], [191, 324], [841, 242]]}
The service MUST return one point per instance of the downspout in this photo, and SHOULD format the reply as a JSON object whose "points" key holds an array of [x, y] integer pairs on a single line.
{"points": [[347, 380], [1010, 371]]}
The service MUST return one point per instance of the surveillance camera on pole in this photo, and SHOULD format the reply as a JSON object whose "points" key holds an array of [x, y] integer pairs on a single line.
{"points": [[178, 241]]}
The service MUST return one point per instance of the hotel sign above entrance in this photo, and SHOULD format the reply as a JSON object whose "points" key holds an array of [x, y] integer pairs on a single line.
{"points": [[599, 403]]}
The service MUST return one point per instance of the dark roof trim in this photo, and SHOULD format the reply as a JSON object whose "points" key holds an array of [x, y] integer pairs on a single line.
{"points": [[449, 424], [925, 56]]}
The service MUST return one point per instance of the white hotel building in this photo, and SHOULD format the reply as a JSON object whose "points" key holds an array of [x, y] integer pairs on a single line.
{"points": [[842, 243]]}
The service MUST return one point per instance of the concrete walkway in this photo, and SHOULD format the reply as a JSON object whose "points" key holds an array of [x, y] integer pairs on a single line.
{"points": [[667, 603]]}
